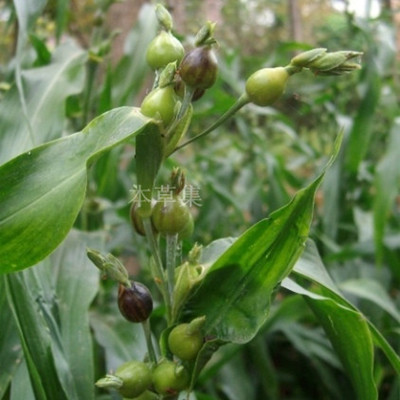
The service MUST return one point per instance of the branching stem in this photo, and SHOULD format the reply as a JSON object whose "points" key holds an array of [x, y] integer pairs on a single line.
{"points": [[241, 101]]}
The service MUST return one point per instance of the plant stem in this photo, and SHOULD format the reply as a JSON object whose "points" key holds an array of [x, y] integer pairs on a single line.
{"points": [[292, 69], [240, 102], [172, 242], [149, 343], [187, 99], [160, 276]]}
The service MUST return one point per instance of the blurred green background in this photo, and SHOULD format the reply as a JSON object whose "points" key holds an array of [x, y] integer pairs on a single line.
{"points": [[81, 58]]}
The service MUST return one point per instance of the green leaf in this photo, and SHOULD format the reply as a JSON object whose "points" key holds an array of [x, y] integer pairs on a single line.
{"points": [[37, 115], [348, 329], [149, 155], [387, 178], [384, 345], [76, 282], [42, 52], [236, 293], [41, 191], [311, 267], [361, 131], [27, 12], [51, 304], [316, 272], [215, 249], [232, 383], [331, 188], [204, 355], [179, 131], [10, 348], [352, 340], [122, 341], [35, 337], [131, 72], [310, 342], [62, 14], [107, 175], [21, 387], [261, 360], [105, 100], [371, 290]]}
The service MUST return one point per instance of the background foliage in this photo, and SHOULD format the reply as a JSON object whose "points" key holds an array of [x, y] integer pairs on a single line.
{"points": [[60, 70]]}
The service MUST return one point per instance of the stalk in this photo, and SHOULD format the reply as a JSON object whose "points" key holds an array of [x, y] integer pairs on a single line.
{"points": [[149, 343], [160, 276], [172, 242], [187, 99], [240, 102]]}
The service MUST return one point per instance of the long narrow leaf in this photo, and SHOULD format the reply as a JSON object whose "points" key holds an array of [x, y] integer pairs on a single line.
{"points": [[51, 303], [311, 267], [385, 346], [76, 285], [361, 131], [35, 339], [236, 293], [331, 188], [10, 348], [21, 387], [41, 191], [149, 154], [372, 291], [350, 336], [387, 178], [351, 333], [37, 115]]}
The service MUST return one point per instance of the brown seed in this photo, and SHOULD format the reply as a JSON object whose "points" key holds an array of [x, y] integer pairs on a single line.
{"points": [[199, 68], [135, 303]]}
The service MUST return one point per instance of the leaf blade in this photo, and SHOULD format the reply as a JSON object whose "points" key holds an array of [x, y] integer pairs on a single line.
{"points": [[10, 348], [34, 184], [45, 90], [361, 132], [352, 340], [386, 183], [348, 331], [35, 338], [318, 274], [251, 269], [360, 330], [236, 293], [77, 283]]}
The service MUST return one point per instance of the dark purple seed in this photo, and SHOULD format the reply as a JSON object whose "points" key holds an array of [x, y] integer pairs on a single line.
{"points": [[135, 303], [199, 68]]}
